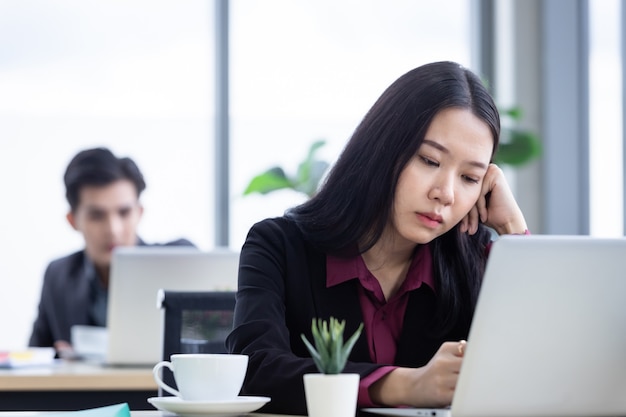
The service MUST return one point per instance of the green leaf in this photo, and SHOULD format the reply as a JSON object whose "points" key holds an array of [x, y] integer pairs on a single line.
{"points": [[271, 180], [310, 185], [517, 147], [514, 112], [330, 353], [308, 176], [314, 147], [347, 348], [337, 346], [305, 169], [316, 356]]}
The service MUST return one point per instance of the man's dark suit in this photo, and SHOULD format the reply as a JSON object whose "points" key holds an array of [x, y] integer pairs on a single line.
{"points": [[282, 287], [65, 298]]}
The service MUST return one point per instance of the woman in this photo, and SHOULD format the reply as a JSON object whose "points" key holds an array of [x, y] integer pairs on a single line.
{"points": [[395, 239]]}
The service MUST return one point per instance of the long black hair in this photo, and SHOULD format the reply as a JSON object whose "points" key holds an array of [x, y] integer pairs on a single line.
{"points": [[355, 203]]}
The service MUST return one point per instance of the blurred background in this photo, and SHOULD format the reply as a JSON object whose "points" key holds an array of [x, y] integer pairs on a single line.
{"points": [[206, 94]]}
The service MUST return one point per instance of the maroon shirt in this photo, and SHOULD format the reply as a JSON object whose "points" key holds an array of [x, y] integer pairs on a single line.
{"points": [[382, 319]]}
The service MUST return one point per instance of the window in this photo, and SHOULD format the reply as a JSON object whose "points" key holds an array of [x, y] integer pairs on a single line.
{"points": [[134, 76], [605, 119], [310, 69], [137, 77]]}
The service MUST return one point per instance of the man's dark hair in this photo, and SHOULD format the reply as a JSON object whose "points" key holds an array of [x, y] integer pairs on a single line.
{"points": [[98, 167]]}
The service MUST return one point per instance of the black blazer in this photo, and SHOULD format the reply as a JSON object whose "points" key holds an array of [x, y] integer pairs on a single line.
{"points": [[65, 298], [282, 287]]}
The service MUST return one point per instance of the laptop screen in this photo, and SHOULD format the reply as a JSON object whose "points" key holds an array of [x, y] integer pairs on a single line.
{"points": [[134, 321], [548, 336]]}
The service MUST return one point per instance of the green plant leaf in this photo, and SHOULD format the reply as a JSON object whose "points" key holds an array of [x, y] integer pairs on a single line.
{"points": [[337, 330], [308, 176], [517, 147], [347, 348], [514, 112], [310, 185], [321, 338], [330, 353], [317, 359], [314, 147], [271, 180], [305, 181]]}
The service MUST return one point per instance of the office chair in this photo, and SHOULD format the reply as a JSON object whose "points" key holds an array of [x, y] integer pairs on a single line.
{"points": [[194, 322]]}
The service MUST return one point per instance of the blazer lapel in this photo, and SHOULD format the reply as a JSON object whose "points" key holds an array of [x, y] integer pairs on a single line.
{"points": [[342, 302]]}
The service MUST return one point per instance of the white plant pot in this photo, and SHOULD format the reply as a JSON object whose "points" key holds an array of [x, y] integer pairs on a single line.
{"points": [[331, 395]]}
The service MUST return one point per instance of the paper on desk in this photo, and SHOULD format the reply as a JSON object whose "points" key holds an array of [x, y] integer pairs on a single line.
{"points": [[117, 410], [89, 342], [28, 357]]}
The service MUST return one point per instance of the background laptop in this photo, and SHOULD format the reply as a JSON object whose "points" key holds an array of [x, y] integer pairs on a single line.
{"points": [[134, 322], [549, 334]]}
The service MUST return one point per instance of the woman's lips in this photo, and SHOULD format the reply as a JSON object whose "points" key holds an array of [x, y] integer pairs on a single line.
{"points": [[429, 219]]}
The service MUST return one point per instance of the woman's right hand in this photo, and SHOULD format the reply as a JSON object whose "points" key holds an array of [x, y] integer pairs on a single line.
{"points": [[432, 385]]}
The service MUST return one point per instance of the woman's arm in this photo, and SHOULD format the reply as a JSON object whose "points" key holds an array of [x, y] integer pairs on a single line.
{"points": [[429, 386]]}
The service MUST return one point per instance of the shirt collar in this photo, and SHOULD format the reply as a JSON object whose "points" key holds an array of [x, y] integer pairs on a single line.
{"points": [[340, 270], [89, 269]]}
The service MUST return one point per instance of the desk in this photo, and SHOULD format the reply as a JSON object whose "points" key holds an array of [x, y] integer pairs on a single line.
{"points": [[75, 385]]}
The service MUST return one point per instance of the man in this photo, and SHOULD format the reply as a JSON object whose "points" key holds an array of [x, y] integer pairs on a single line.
{"points": [[103, 193]]}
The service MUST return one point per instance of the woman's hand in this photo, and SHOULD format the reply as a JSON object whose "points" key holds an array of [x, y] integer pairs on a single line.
{"points": [[429, 386], [496, 207]]}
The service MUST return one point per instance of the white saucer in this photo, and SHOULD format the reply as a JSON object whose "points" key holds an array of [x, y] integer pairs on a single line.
{"points": [[242, 404]]}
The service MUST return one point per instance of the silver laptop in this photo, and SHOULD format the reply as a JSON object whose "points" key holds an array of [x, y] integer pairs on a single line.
{"points": [[134, 322], [549, 334]]}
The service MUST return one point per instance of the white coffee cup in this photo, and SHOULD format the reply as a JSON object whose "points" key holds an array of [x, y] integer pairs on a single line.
{"points": [[204, 376]]}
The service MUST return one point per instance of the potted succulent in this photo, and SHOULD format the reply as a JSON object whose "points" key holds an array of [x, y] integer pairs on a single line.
{"points": [[331, 393]]}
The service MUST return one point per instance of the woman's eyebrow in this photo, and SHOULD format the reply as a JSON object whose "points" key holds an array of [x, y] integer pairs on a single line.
{"points": [[445, 150], [436, 145]]}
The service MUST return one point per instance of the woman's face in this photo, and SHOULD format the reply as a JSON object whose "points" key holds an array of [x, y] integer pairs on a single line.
{"points": [[443, 181]]}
